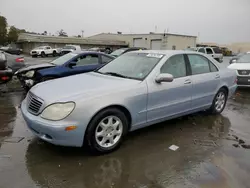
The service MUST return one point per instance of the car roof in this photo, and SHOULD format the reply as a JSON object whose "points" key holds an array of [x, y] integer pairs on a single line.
{"points": [[166, 52], [92, 52]]}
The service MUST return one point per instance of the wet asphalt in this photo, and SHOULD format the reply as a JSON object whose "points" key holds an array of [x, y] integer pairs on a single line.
{"points": [[214, 151]]}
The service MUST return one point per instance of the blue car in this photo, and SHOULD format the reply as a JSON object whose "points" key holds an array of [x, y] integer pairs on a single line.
{"points": [[66, 65]]}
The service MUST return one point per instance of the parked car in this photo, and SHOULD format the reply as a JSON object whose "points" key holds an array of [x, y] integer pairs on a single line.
{"points": [[15, 62], [5, 72], [235, 58], [44, 51], [70, 48], [106, 50], [242, 67], [66, 65], [135, 90], [11, 50], [214, 52], [121, 51]]}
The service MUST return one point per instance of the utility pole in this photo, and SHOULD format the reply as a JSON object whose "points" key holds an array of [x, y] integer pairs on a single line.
{"points": [[82, 32]]}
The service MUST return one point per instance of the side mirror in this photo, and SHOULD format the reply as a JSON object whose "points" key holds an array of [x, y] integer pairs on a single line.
{"points": [[165, 77], [72, 64]]}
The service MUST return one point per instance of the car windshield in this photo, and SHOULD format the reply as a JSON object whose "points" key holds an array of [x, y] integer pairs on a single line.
{"points": [[63, 59], [118, 52], [132, 65], [244, 59]]}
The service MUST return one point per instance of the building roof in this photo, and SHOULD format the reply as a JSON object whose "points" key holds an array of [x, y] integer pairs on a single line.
{"points": [[25, 37], [151, 33]]}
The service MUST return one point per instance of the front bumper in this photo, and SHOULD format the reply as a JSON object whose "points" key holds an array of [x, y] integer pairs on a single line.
{"points": [[243, 81], [53, 131]]}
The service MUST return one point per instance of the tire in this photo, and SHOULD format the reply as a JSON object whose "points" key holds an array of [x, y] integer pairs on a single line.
{"points": [[214, 109], [54, 54], [118, 132], [43, 54]]}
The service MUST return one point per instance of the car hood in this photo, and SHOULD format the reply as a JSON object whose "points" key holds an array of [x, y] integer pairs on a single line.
{"points": [[34, 67], [82, 85], [240, 66]]}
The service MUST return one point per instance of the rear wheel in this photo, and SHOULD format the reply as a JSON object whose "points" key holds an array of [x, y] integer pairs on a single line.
{"points": [[106, 131], [54, 53], [219, 102]]}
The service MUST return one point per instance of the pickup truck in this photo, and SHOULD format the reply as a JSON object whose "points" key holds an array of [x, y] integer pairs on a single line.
{"points": [[214, 52], [44, 51]]}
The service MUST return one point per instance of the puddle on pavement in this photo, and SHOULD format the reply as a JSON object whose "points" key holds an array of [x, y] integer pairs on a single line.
{"points": [[144, 160]]}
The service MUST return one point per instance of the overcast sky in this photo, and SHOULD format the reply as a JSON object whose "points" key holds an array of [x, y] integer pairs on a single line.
{"points": [[221, 21]]}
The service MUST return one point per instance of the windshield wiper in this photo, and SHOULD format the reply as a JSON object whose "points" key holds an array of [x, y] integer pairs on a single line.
{"points": [[115, 74]]}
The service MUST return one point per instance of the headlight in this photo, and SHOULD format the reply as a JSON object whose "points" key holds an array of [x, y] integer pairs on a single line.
{"points": [[58, 111], [30, 74]]}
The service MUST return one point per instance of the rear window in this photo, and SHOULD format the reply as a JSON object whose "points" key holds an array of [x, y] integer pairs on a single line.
{"points": [[217, 50]]}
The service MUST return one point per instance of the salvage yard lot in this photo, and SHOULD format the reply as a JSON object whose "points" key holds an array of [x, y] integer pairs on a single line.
{"points": [[213, 152]]}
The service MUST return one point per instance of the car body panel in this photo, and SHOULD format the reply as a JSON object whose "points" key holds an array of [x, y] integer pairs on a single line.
{"points": [[93, 92]]}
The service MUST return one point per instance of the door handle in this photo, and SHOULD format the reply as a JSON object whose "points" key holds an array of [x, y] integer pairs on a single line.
{"points": [[217, 76], [187, 82]]}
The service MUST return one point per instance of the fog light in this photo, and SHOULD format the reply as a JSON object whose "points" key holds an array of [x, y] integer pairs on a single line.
{"points": [[70, 128]]}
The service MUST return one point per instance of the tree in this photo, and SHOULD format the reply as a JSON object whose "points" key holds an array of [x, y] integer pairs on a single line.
{"points": [[3, 30], [13, 34], [62, 33]]}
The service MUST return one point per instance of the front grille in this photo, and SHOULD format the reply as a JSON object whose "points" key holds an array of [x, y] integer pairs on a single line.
{"points": [[244, 72], [34, 103], [243, 80]]}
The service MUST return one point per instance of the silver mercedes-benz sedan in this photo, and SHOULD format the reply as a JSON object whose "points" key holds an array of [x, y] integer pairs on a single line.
{"points": [[135, 90]]}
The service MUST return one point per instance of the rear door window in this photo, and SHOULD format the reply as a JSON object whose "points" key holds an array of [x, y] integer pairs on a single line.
{"points": [[199, 64]]}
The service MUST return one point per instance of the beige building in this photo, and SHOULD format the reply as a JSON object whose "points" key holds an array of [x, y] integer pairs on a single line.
{"points": [[154, 41], [239, 47]]}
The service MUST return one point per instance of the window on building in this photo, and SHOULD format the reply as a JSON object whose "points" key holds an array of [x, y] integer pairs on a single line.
{"points": [[173, 47]]}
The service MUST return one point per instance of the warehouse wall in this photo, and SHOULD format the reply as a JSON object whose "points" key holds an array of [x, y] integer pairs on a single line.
{"points": [[168, 41]]}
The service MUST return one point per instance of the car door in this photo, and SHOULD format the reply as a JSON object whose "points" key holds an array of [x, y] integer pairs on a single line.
{"points": [[85, 63], [205, 78], [210, 52], [167, 99]]}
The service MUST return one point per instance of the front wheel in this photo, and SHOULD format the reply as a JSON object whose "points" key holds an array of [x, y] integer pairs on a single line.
{"points": [[219, 102], [43, 54], [54, 54], [106, 131]]}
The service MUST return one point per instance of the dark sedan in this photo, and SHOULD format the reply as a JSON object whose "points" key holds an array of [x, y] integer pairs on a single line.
{"points": [[12, 50], [5, 72], [66, 65]]}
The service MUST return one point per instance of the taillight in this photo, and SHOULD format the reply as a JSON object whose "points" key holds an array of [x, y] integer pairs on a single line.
{"points": [[4, 78], [20, 60]]}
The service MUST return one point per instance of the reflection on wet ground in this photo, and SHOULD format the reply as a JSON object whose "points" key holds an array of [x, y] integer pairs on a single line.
{"points": [[212, 153]]}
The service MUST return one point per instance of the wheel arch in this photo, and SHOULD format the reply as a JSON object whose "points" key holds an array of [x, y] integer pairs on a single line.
{"points": [[118, 106], [226, 88]]}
